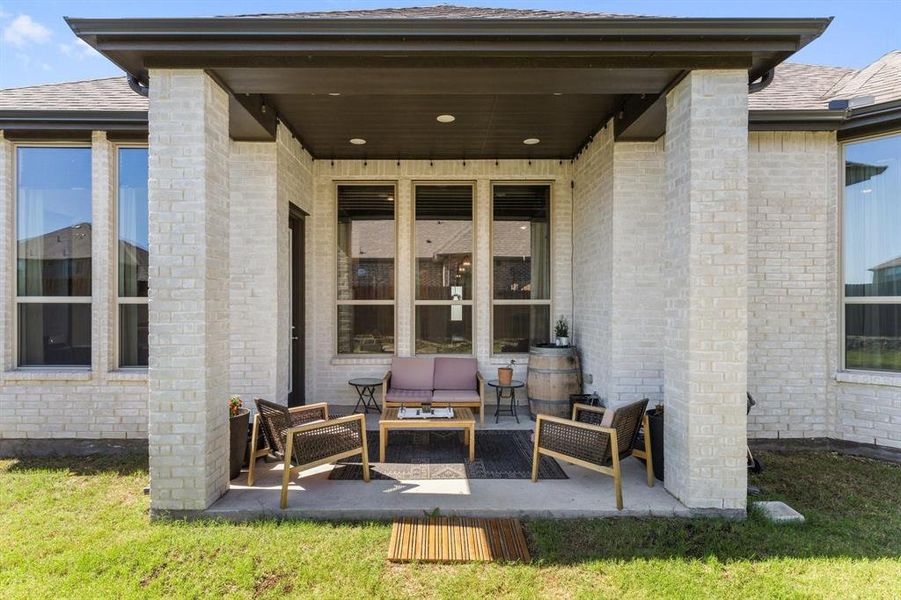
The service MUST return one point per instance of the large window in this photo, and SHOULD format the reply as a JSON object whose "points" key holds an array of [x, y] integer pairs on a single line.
{"points": [[443, 248], [53, 256], [366, 249], [132, 257], [872, 254], [521, 279]]}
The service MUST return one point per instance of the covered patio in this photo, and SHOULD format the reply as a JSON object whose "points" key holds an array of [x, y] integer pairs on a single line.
{"points": [[313, 495], [637, 128]]}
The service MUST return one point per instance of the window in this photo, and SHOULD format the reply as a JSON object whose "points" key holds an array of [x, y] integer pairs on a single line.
{"points": [[443, 239], [366, 248], [132, 257], [521, 280], [53, 256], [872, 254]]}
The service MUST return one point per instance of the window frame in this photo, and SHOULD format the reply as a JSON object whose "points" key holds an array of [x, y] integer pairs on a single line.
{"points": [[17, 299], [551, 255], [334, 254], [843, 300], [472, 303], [116, 350]]}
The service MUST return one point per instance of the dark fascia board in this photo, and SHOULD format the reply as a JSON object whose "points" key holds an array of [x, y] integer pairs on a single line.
{"points": [[865, 120], [73, 120], [125, 40]]}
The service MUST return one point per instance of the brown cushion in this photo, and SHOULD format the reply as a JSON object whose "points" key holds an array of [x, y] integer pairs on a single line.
{"points": [[455, 396], [456, 373], [409, 373]]}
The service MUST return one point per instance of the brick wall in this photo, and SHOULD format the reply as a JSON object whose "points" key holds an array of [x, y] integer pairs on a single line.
{"points": [[95, 403], [705, 341]]}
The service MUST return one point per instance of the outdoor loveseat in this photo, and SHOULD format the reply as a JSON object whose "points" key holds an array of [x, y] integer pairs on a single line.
{"points": [[442, 381]]}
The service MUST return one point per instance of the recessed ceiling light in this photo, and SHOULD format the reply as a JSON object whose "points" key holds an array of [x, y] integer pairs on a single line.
{"points": [[530, 141], [446, 118], [357, 141], [334, 93], [558, 93]]}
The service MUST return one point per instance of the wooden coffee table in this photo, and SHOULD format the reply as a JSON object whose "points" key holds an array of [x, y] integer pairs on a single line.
{"points": [[462, 419]]}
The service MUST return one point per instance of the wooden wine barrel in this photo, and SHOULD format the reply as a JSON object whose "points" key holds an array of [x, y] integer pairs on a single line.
{"points": [[554, 374]]}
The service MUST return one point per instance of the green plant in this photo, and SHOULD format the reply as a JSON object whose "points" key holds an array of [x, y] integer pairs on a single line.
{"points": [[658, 410], [561, 329], [235, 404]]}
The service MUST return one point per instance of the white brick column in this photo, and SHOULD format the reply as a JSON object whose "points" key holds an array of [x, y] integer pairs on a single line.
{"points": [[705, 358], [7, 257], [104, 255], [189, 271]]}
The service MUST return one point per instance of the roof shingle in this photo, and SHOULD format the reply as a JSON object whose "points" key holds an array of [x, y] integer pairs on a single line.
{"points": [[444, 11], [110, 94]]}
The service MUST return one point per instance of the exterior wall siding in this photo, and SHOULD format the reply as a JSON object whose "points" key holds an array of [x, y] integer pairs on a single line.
{"points": [[705, 356]]}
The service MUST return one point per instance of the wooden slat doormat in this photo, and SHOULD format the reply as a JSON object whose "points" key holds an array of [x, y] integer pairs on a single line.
{"points": [[457, 539]]}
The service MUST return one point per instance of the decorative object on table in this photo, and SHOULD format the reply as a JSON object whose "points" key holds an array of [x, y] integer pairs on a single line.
{"points": [[505, 391], [554, 374], [561, 332], [442, 381], [408, 412], [505, 374], [365, 387], [239, 423], [304, 437], [655, 430], [462, 419], [593, 440], [432, 454]]}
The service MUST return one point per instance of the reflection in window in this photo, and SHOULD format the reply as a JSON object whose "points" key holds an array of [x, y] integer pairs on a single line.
{"points": [[521, 267], [872, 254], [365, 269], [133, 257], [444, 267], [53, 255]]}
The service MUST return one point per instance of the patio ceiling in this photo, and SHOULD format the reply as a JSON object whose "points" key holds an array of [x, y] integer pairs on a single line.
{"points": [[504, 80]]}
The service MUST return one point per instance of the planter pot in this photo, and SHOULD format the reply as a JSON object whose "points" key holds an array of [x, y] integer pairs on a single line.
{"points": [[562, 342], [656, 423], [505, 375], [238, 443]]}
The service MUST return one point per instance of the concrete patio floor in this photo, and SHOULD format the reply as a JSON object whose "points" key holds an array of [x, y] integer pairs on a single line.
{"points": [[313, 496]]}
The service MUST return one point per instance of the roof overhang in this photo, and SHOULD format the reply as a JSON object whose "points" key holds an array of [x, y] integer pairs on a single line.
{"points": [[849, 123], [503, 74]]}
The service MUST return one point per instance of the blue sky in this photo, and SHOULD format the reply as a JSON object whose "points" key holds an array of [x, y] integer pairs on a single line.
{"points": [[37, 47]]}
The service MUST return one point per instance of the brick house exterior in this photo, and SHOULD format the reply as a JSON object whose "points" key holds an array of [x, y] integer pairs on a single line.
{"points": [[694, 264]]}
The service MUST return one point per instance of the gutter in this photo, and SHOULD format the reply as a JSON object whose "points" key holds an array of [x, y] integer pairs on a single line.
{"points": [[136, 86], [73, 120]]}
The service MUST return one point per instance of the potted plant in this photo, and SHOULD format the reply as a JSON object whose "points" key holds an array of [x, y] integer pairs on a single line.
{"points": [[505, 374], [655, 421], [561, 332], [239, 418]]}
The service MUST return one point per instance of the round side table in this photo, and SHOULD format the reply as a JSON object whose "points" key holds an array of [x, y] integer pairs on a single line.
{"points": [[506, 392], [366, 387]]}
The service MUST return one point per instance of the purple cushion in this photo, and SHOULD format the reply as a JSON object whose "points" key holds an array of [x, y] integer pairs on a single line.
{"points": [[395, 395], [412, 373], [451, 396], [456, 373]]}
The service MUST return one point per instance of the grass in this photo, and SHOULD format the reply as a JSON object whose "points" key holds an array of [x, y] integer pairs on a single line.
{"points": [[78, 528]]}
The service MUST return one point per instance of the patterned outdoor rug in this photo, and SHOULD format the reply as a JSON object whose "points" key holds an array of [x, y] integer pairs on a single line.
{"points": [[442, 455]]}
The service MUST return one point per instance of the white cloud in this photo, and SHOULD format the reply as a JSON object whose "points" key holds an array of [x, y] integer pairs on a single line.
{"points": [[79, 49], [23, 31], [31, 63]]}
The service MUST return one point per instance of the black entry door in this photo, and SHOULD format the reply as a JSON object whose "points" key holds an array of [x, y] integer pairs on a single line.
{"points": [[296, 395]]}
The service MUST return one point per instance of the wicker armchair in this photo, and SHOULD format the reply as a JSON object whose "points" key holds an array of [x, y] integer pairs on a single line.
{"points": [[304, 437], [585, 442]]}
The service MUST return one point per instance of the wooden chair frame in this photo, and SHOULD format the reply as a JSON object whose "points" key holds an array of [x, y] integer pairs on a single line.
{"points": [[480, 405], [256, 433], [290, 468], [613, 470]]}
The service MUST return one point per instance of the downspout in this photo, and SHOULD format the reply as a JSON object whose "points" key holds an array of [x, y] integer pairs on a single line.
{"points": [[137, 87], [761, 84]]}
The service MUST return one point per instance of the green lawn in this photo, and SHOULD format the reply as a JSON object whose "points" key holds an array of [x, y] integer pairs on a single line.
{"points": [[78, 528]]}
